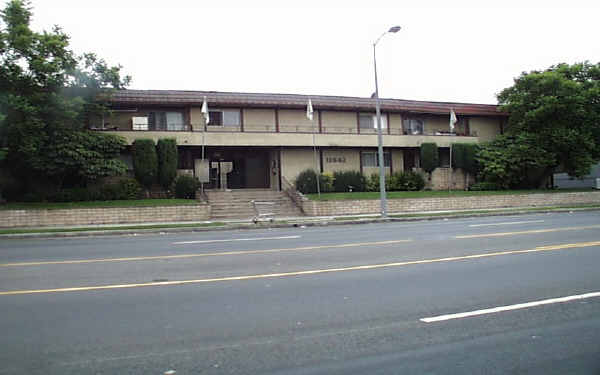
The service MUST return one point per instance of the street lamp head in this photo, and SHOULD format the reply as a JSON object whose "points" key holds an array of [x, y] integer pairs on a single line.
{"points": [[394, 29]]}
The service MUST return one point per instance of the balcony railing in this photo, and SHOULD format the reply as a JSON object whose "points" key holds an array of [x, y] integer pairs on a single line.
{"points": [[284, 128]]}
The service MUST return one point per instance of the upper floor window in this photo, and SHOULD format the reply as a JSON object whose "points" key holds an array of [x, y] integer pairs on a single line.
{"points": [[225, 117], [369, 121], [413, 126], [165, 120]]}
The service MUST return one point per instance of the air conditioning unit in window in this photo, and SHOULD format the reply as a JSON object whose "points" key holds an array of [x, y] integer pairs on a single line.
{"points": [[139, 123]]}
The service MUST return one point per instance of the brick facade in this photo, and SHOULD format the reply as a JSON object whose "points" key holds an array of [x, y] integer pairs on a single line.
{"points": [[91, 216], [370, 206]]}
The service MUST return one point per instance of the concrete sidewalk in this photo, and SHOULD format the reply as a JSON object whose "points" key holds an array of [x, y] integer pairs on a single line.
{"points": [[277, 222]]}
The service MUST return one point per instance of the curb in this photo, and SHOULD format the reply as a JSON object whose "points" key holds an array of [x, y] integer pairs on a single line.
{"points": [[267, 225]]}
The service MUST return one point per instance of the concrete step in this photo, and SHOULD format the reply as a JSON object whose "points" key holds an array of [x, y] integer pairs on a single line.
{"points": [[238, 203]]}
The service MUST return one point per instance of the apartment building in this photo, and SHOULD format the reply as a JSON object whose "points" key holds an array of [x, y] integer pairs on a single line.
{"points": [[265, 140]]}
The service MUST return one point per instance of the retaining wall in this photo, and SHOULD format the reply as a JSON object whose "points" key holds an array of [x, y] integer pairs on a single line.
{"points": [[113, 215], [350, 207]]}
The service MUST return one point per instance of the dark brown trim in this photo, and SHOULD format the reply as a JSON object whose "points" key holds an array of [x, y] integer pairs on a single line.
{"points": [[387, 118], [360, 161], [279, 166], [357, 122], [242, 119], [320, 121], [320, 160], [277, 120]]}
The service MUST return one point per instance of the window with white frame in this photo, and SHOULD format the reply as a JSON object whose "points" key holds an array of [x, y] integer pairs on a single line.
{"points": [[225, 117], [371, 159], [166, 120], [369, 121], [413, 126]]}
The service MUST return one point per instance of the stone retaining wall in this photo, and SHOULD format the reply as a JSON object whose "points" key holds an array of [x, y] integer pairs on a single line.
{"points": [[113, 215], [351, 207]]}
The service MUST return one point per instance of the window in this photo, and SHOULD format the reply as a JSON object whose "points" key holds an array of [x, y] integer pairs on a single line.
{"points": [[165, 120], [226, 117], [369, 121], [371, 158], [413, 126]]}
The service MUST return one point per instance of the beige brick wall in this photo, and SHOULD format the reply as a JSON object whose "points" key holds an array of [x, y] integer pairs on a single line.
{"points": [[91, 216], [328, 208]]}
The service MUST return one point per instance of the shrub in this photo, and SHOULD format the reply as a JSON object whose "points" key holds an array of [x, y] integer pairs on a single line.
{"points": [[480, 186], [129, 188], [145, 164], [186, 186], [326, 182], [166, 150], [429, 157], [349, 180], [71, 195], [405, 181], [373, 182], [306, 182]]}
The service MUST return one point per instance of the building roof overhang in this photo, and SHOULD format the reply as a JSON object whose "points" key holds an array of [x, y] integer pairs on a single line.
{"points": [[179, 98]]}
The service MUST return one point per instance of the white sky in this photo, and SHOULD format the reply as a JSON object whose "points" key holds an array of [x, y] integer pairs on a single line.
{"points": [[446, 51]]}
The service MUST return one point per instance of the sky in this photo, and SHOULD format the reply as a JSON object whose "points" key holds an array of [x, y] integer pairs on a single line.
{"points": [[449, 51]]}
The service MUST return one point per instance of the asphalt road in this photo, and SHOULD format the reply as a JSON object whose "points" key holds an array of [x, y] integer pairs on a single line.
{"points": [[321, 300]]}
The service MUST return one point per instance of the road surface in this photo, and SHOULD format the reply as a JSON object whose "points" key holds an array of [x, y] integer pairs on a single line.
{"points": [[494, 295]]}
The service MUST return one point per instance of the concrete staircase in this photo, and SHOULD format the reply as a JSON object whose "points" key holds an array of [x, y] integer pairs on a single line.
{"points": [[237, 204]]}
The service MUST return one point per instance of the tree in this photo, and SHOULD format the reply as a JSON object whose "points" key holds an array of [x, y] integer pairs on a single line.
{"points": [[46, 94], [463, 157], [515, 161], [145, 162], [429, 157], [556, 114], [166, 149]]}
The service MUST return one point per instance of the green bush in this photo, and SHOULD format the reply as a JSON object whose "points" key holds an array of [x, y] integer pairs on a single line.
{"points": [[306, 182], [71, 195], [479, 186], [326, 182], [349, 180], [145, 162], [186, 186], [166, 150], [405, 181], [373, 182], [429, 157]]}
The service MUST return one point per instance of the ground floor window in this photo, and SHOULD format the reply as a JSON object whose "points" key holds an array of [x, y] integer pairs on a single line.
{"points": [[444, 157], [371, 159]]}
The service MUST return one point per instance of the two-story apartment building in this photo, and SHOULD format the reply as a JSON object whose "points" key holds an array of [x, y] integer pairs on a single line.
{"points": [[265, 140]]}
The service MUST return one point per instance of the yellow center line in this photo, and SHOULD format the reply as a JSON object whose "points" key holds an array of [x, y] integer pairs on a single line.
{"points": [[306, 272], [527, 232], [224, 253]]}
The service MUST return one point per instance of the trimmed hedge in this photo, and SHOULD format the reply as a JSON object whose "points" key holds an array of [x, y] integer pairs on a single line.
{"points": [[405, 181], [145, 161], [349, 181], [186, 186], [429, 157], [166, 150], [306, 182]]}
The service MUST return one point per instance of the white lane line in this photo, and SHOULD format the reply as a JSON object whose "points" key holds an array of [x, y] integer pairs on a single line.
{"points": [[510, 307], [507, 223], [237, 239]]}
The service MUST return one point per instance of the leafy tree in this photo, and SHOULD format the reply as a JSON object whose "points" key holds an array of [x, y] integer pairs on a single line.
{"points": [[166, 149], [46, 94], [429, 157], [145, 161], [555, 117], [463, 157], [515, 161]]}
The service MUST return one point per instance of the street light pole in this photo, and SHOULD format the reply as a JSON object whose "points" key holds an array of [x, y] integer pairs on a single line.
{"points": [[382, 196]]}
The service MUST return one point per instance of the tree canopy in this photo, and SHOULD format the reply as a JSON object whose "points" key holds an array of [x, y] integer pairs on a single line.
{"points": [[553, 125], [47, 93]]}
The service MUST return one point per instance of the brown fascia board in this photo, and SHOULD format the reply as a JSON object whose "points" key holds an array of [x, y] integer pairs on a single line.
{"points": [[166, 98]]}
